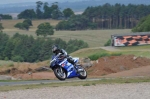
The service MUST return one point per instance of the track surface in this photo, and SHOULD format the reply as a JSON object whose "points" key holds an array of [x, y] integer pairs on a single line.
{"points": [[43, 82]]}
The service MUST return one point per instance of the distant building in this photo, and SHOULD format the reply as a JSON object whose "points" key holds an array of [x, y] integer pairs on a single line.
{"points": [[131, 39]]}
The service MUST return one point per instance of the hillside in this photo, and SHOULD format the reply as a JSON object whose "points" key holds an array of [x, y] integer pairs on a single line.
{"points": [[127, 65], [114, 66]]}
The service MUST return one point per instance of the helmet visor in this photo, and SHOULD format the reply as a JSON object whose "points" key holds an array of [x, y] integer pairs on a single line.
{"points": [[54, 49]]}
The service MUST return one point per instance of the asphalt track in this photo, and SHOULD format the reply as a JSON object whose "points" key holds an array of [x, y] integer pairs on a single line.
{"points": [[13, 83]]}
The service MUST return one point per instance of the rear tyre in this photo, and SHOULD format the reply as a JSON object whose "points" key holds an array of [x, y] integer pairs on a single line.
{"points": [[60, 73], [82, 74]]}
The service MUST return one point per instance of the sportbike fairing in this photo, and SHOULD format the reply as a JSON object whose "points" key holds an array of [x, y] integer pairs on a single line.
{"points": [[71, 71]]}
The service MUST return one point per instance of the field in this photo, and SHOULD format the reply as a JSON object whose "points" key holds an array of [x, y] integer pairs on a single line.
{"points": [[9, 24], [93, 37]]}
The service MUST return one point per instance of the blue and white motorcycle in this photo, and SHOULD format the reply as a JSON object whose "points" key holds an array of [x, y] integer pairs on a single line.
{"points": [[64, 70]]}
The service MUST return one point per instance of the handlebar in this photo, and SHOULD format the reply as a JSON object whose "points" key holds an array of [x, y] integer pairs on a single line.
{"points": [[55, 57]]}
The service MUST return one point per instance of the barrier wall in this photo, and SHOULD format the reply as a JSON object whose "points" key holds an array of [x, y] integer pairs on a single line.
{"points": [[130, 40]]}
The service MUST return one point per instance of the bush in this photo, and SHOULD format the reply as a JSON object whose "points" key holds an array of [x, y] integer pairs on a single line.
{"points": [[19, 25], [17, 58], [28, 21], [108, 43], [11, 65], [94, 57], [1, 27], [92, 25], [99, 55], [116, 54], [6, 59], [25, 25]]}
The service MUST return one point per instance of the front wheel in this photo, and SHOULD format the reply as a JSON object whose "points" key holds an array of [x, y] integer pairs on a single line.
{"points": [[60, 73], [83, 73]]}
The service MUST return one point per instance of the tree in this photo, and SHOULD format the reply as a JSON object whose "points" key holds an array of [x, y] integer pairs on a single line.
{"points": [[76, 22], [143, 25], [68, 12], [62, 25], [56, 13], [5, 16], [27, 14], [45, 50], [47, 11], [24, 25], [1, 27], [28, 21], [8, 49], [74, 45], [38, 10], [3, 41], [19, 25], [45, 29], [27, 49]]}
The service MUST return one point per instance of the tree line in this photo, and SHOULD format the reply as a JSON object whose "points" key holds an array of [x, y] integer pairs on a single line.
{"points": [[46, 11], [25, 48], [5, 16], [118, 16]]}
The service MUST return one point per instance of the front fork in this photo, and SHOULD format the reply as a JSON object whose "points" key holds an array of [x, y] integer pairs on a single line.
{"points": [[76, 67]]}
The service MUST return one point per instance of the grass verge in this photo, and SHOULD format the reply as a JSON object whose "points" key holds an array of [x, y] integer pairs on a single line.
{"points": [[77, 83], [97, 52], [9, 63]]}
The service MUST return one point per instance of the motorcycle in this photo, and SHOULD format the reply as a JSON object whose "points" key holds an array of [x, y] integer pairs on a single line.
{"points": [[64, 69]]}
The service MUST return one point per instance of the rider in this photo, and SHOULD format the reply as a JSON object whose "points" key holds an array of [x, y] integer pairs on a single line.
{"points": [[56, 50]]}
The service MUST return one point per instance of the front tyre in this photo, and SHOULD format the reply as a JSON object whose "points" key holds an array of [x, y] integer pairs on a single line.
{"points": [[60, 73], [82, 74]]}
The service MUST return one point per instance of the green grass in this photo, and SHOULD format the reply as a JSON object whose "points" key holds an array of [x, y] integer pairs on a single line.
{"points": [[104, 54], [8, 63], [77, 83], [137, 51], [94, 38], [87, 52], [142, 51]]}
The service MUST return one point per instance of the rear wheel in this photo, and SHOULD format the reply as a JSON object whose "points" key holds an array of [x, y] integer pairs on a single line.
{"points": [[83, 73], [60, 73]]}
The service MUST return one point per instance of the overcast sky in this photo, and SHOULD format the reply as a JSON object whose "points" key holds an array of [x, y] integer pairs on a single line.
{"points": [[21, 1]]}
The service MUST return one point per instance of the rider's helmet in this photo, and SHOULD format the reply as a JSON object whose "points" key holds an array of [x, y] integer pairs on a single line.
{"points": [[55, 48]]}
